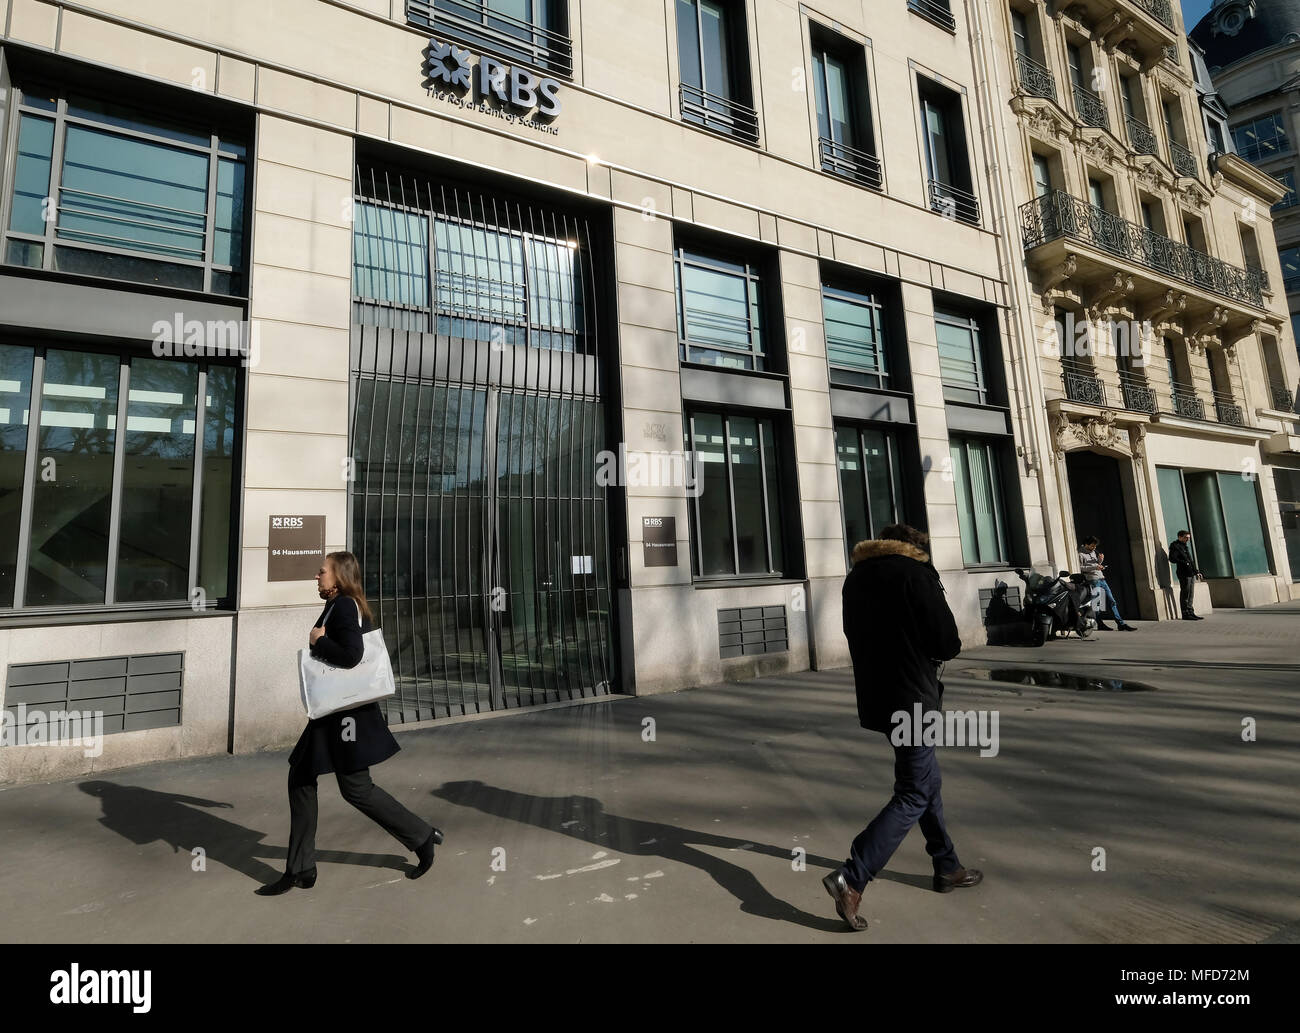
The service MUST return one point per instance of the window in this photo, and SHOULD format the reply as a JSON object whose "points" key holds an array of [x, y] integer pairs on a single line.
{"points": [[105, 514], [937, 11], [531, 31], [1262, 138], [870, 481], [1249, 248], [464, 277], [1042, 176], [1290, 259], [1078, 65], [1150, 217], [1134, 107], [1020, 33], [1287, 176], [719, 311], [855, 337], [105, 190], [736, 517], [713, 59], [1223, 512], [961, 359], [1097, 193], [980, 508], [946, 160], [844, 131]]}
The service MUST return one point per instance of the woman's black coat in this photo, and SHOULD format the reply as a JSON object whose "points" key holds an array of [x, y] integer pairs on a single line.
{"points": [[321, 747], [899, 629]]}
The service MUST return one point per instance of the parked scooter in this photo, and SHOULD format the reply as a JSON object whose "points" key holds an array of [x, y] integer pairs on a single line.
{"points": [[1057, 605]]}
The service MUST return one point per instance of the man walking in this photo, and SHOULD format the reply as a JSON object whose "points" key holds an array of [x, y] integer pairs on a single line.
{"points": [[1091, 567], [899, 629], [1180, 555]]}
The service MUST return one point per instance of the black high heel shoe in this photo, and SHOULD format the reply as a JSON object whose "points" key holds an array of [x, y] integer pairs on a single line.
{"points": [[303, 880], [424, 853]]}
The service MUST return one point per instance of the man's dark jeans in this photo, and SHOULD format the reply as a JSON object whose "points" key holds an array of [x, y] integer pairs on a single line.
{"points": [[1188, 584], [916, 799]]}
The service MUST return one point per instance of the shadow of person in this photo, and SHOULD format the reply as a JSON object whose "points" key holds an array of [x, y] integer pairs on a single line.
{"points": [[585, 818], [1005, 626], [1164, 580], [146, 816]]}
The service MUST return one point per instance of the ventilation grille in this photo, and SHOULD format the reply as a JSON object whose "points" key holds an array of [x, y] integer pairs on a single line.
{"points": [[132, 692], [750, 630]]}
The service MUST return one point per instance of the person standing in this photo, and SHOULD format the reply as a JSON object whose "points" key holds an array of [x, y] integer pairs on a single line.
{"points": [[347, 743], [1091, 567], [1180, 555], [899, 630]]}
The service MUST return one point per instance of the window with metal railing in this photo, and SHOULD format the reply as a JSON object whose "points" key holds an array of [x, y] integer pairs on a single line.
{"points": [[846, 140], [937, 11], [1035, 80], [713, 61], [855, 337], [533, 32], [1137, 394], [720, 320], [103, 189], [1082, 383], [1090, 107], [947, 159]]}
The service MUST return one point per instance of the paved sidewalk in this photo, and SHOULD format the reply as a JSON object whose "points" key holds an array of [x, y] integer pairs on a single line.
{"points": [[610, 838]]}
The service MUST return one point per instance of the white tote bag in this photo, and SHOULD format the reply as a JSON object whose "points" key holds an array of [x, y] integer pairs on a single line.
{"points": [[327, 689]]}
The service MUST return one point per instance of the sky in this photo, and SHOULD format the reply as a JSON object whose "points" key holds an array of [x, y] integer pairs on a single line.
{"points": [[1194, 11]]}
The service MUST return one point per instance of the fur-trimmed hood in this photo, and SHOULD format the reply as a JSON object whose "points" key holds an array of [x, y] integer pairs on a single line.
{"points": [[873, 547]]}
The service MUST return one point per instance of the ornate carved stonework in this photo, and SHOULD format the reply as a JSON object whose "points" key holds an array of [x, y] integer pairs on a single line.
{"points": [[1137, 437], [1100, 431], [1042, 119]]}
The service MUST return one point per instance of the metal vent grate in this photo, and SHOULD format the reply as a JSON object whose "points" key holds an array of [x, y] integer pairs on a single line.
{"points": [[752, 629], [131, 692]]}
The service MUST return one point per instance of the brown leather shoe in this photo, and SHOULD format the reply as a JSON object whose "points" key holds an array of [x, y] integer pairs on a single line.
{"points": [[959, 879], [846, 899]]}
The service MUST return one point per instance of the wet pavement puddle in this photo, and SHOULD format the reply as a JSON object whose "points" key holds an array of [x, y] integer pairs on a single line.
{"points": [[1049, 679]]}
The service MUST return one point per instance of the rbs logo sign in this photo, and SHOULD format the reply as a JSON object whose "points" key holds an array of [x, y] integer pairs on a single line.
{"points": [[450, 66], [279, 522]]}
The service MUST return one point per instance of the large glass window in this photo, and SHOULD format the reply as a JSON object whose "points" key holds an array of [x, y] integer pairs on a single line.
{"points": [[713, 67], [1287, 483], [1290, 260], [103, 513], [736, 518], [855, 337], [1290, 199], [1223, 512], [104, 190], [961, 358], [1262, 138], [719, 311], [467, 278], [981, 510], [870, 481]]}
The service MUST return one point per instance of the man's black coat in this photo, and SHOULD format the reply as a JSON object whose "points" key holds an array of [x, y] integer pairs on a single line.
{"points": [[323, 747], [1180, 555], [899, 627]]}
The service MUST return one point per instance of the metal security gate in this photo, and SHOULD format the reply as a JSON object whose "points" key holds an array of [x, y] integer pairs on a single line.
{"points": [[476, 426]]}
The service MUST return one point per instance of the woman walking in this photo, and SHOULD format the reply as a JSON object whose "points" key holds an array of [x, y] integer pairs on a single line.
{"points": [[347, 743]]}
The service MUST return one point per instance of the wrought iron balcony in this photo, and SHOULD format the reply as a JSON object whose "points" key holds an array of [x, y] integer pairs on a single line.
{"points": [[1171, 53], [480, 25], [937, 11], [1185, 402], [851, 163], [1184, 161], [1160, 10], [1091, 108], [1057, 214], [1228, 412], [1283, 399], [1140, 135], [1139, 396], [719, 114], [1035, 80], [1082, 386], [1259, 276], [954, 203]]}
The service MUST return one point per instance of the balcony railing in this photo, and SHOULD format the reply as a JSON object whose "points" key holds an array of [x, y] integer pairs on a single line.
{"points": [[1186, 403], [1184, 161], [1171, 53], [1035, 80], [954, 203], [1283, 398], [1091, 108], [1081, 386], [1258, 276], [1160, 10], [851, 163], [1057, 214], [1139, 396], [719, 114], [1228, 412], [1140, 135], [478, 25], [938, 11]]}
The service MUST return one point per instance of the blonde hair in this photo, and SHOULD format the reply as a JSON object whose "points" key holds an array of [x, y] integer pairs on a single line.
{"points": [[347, 573]]}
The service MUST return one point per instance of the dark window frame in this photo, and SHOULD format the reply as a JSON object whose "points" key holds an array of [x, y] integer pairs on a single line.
{"points": [[996, 448], [731, 113], [858, 158], [549, 47], [899, 486], [740, 266]]}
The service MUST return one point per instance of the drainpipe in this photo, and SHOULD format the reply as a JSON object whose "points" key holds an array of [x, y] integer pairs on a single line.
{"points": [[1010, 260]]}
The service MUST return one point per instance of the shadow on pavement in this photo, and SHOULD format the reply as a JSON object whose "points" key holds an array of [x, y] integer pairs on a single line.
{"points": [[585, 818], [146, 816]]}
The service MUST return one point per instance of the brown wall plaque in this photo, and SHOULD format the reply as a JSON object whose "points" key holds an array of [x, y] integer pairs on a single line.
{"points": [[659, 541], [297, 548]]}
